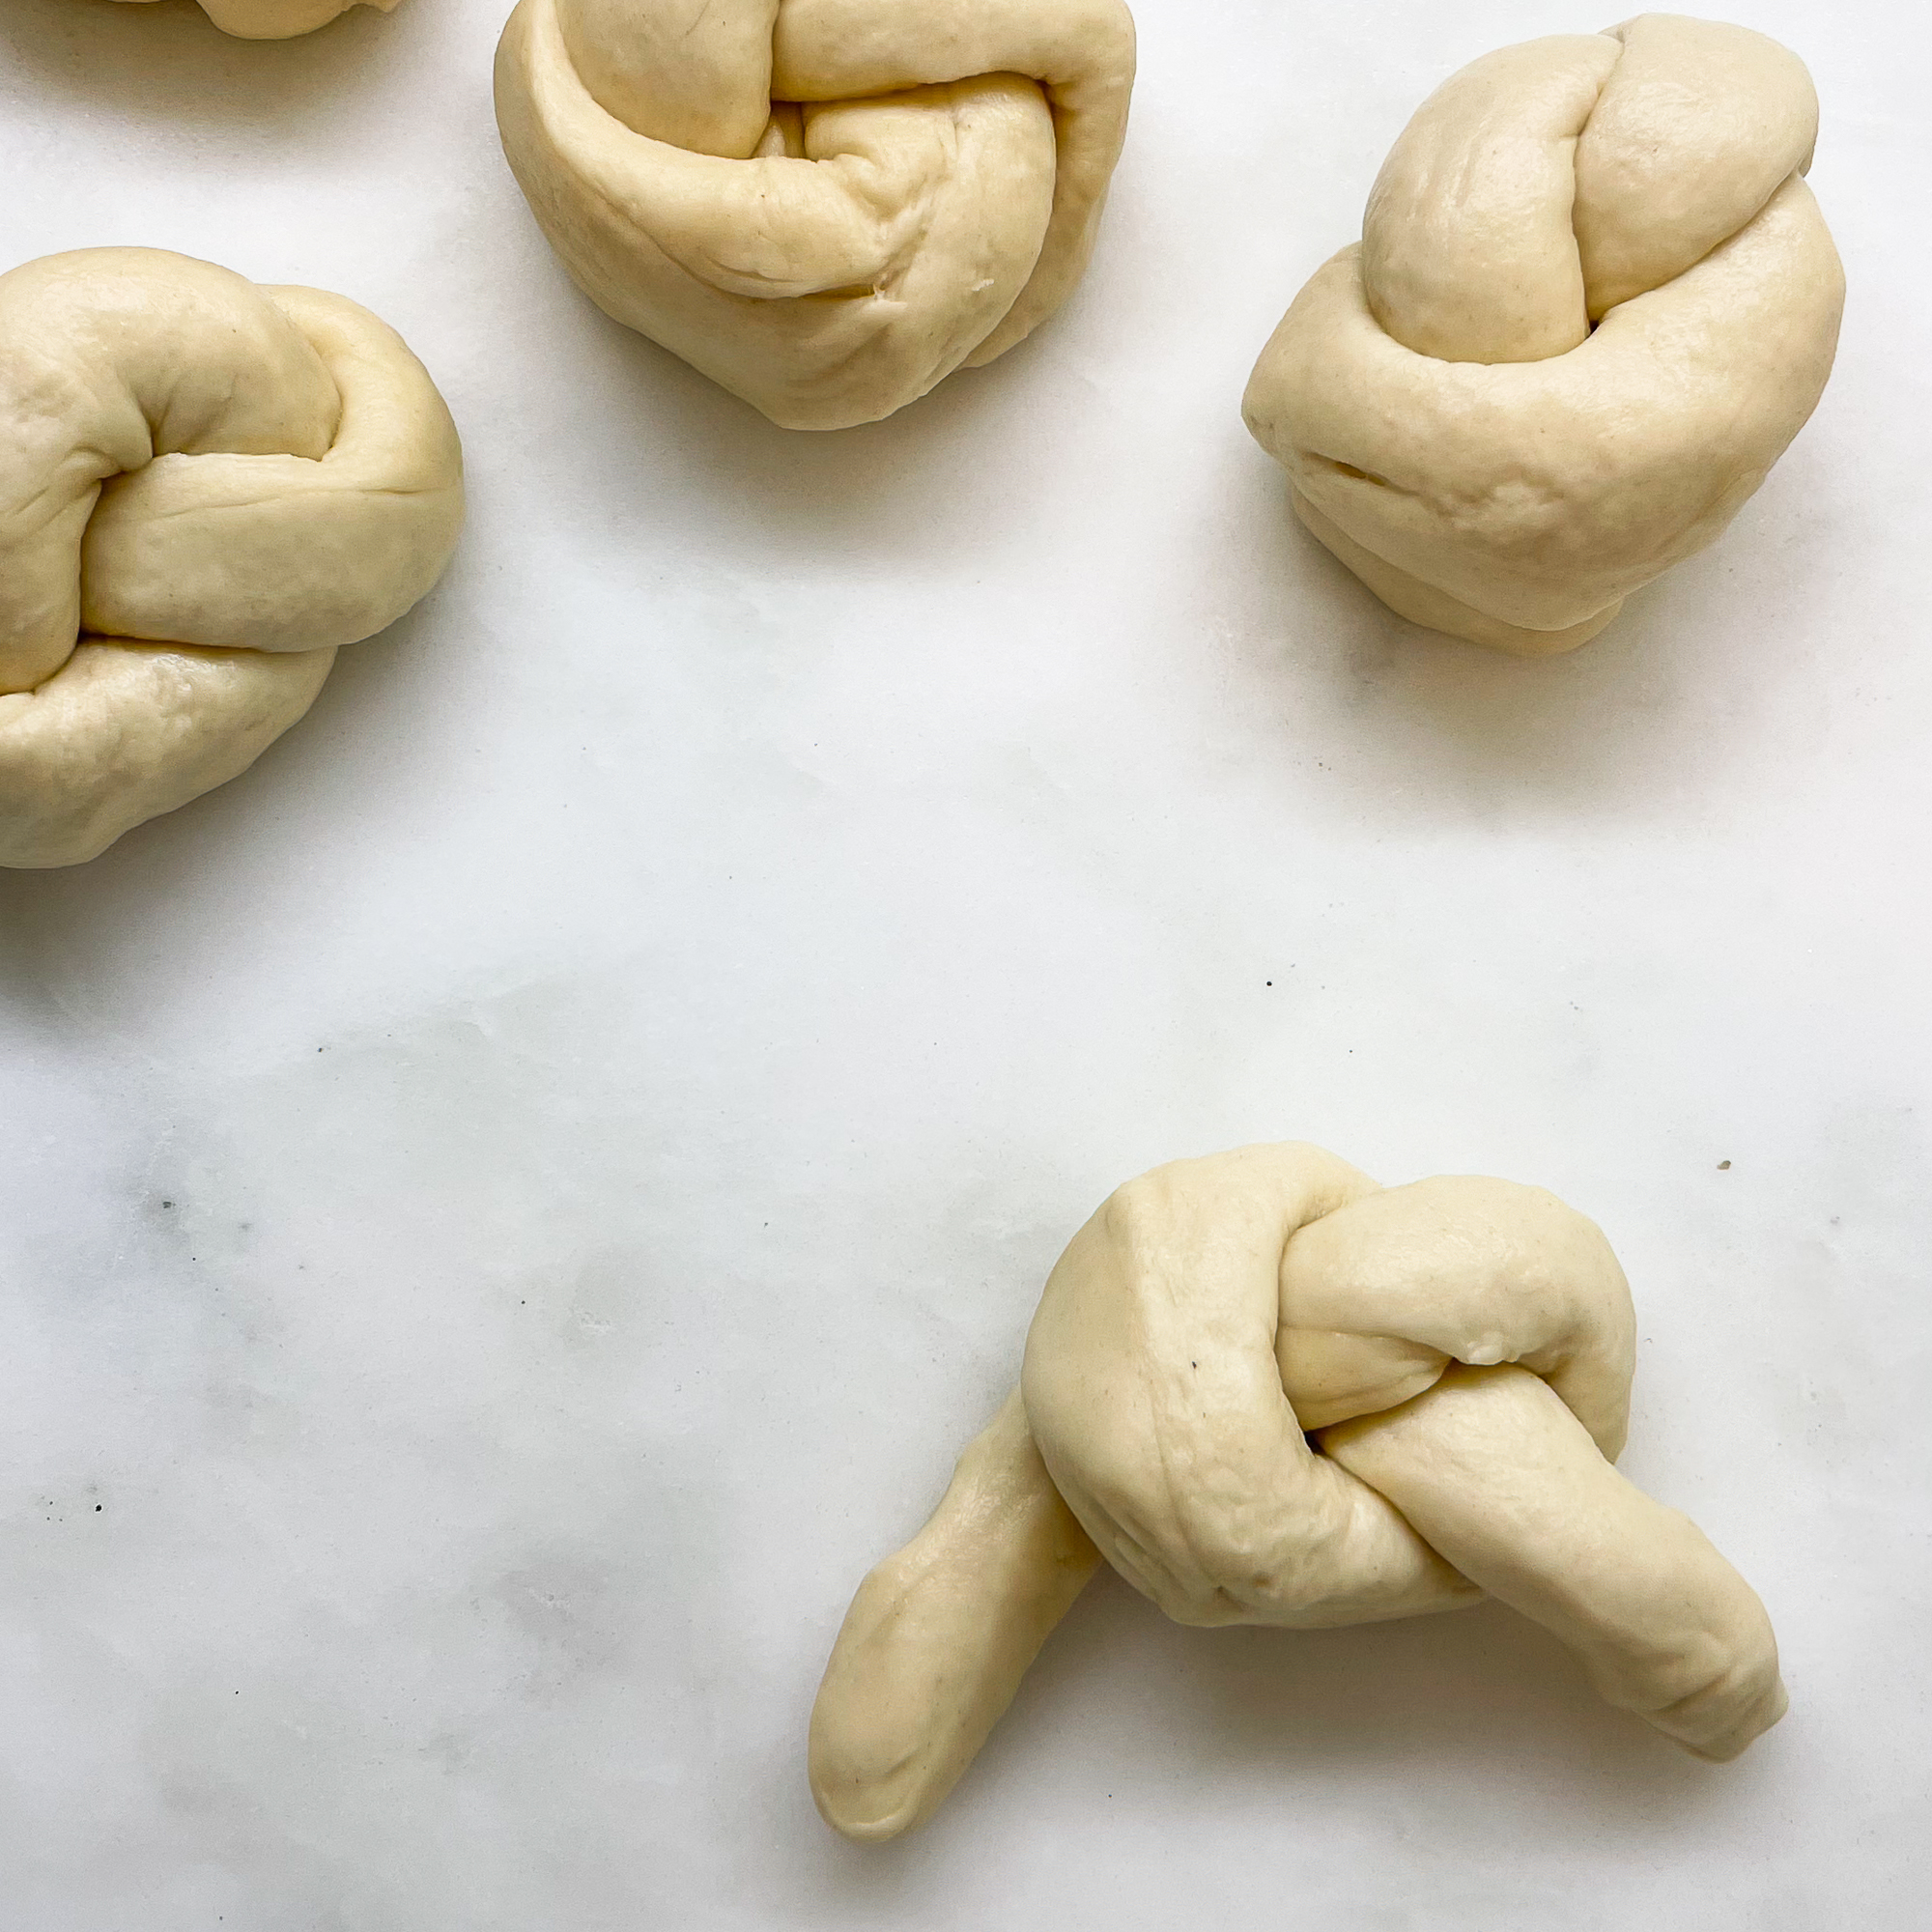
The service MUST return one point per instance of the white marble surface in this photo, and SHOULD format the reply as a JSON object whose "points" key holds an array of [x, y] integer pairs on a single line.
{"points": [[509, 1208]]}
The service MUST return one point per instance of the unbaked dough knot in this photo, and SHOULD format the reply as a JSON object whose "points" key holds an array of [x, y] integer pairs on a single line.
{"points": [[827, 206], [1267, 1390], [206, 488], [1593, 302]]}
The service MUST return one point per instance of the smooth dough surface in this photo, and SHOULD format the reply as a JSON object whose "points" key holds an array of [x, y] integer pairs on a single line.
{"points": [[827, 206], [1593, 302], [1267, 1390], [280, 19], [206, 489]]}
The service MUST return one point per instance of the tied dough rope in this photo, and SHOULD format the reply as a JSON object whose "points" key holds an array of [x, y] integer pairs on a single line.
{"points": [[206, 488], [827, 206], [1593, 302], [1460, 1352]]}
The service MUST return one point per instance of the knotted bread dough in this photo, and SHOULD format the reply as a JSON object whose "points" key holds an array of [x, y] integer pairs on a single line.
{"points": [[1593, 302], [1459, 1353], [205, 486], [827, 206], [280, 19]]}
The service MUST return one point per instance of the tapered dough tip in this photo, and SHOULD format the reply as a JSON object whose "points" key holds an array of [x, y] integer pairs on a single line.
{"points": [[865, 1814], [1732, 1745], [856, 1794]]}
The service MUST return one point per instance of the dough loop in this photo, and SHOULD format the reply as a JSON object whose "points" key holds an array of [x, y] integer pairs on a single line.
{"points": [[827, 206], [1593, 302], [1267, 1390], [206, 488]]}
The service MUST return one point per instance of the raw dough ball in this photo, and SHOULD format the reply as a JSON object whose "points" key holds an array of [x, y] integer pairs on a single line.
{"points": [[280, 19], [205, 486], [1593, 302], [1459, 1353], [825, 204]]}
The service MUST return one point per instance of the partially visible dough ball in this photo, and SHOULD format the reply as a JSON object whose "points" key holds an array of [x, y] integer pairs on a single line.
{"points": [[281, 19], [206, 489], [827, 206], [1593, 302]]}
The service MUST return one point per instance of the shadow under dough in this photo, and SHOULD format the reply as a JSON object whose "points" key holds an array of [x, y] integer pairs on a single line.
{"points": [[917, 484], [166, 61], [67, 920], [1470, 1695], [1629, 722]]}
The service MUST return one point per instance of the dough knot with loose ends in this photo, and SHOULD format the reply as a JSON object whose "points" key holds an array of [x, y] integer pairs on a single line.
{"points": [[1593, 302], [1267, 1390], [205, 486], [280, 19], [827, 206]]}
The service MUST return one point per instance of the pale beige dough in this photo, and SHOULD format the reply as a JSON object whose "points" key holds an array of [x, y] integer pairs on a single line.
{"points": [[1267, 1390], [1593, 302], [827, 206], [206, 489], [281, 19]]}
